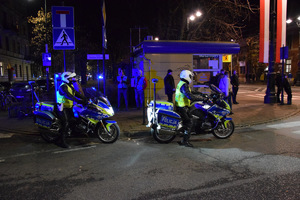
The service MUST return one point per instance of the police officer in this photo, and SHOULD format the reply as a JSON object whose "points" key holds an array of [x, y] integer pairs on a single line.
{"points": [[183, 98], [66, 96]]}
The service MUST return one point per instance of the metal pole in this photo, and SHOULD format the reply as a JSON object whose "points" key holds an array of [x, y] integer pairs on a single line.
{"points": [[270, 93], [46, 45], [98, 74], [64, 61], [282, 78], [103, 52], [298, 72]]}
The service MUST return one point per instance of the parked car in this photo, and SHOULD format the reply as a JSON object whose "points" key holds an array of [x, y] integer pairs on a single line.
{"points": [[21, 91], [42, 84]]}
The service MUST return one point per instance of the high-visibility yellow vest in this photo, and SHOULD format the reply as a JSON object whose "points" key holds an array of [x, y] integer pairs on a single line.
{"points": [[62, 99], [180, 99]]}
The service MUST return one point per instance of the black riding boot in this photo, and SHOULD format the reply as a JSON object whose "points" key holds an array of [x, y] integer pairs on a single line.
{"points": [[62, 141], [185, 140]]}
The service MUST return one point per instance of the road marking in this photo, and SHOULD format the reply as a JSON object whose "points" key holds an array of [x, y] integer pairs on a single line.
{"points": [[6, 135], [39, 152], [77, 149], [296, 132], [284, 125]]}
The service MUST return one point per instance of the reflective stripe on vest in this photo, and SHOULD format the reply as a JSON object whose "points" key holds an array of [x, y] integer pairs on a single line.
{"points": [[62, 99], [180, 99]]}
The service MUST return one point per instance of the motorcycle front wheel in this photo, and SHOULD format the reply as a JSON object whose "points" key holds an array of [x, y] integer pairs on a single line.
{"points": [[110, 137], [162, 138], [223, 132]]}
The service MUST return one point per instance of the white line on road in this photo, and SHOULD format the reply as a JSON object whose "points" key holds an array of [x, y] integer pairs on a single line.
{"points": [[284, 125], [77, 149], [39, 152], [6, 135]]}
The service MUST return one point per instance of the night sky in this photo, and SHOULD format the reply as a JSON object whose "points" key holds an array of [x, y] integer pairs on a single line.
{"points": [[121, 16]]}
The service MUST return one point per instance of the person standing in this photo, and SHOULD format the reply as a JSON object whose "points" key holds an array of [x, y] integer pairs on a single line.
{"points": [[235, 86], [229, 92], [140, 86], [169, 85], [224, 86], [122, 88], [278, 81], [218, 77], [288, 90]]}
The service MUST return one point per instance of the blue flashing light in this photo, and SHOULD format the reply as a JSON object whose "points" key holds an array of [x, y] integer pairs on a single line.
{"points": [[76, 114], [100, 77], [94, 88]]}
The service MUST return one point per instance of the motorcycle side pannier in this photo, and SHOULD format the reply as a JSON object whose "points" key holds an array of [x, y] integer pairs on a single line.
{"points": [[166, 116], [43, 114]]}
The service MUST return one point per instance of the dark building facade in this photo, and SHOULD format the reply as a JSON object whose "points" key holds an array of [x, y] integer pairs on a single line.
{"points": [[14, 42]]}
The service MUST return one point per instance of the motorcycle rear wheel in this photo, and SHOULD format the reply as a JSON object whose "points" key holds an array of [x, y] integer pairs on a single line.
{"points": [[162, 138], [221, 132], [113, 135]]}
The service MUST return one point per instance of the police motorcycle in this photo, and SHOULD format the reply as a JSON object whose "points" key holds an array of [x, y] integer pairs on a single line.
{"points": [[91, 119], [208, 117]]}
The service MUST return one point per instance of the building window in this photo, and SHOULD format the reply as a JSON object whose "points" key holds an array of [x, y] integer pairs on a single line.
{"points": [[16, 69], [288, 66], [1, 42], [242, 67], [21, 74], [7, 43], [1, 69]]}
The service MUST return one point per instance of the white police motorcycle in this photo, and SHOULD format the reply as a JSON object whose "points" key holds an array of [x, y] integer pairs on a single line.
{"points": [[208, 117]]}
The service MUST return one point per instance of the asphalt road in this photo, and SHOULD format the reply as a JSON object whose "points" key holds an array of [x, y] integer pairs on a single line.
{"points": [[257, 162]]}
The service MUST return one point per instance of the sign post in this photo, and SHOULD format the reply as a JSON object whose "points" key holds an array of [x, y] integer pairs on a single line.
{"points": [[63, 29]]}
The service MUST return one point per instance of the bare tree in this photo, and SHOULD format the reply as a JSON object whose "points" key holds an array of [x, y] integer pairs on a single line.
{"points": [[220, 20]]}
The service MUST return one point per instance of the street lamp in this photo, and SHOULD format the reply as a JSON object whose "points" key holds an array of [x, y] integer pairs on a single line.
{"points": [[192, 18], [297, 21]]}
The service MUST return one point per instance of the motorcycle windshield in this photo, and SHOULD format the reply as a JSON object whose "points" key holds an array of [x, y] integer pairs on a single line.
{"points": [[94, 95], [215, 89]]}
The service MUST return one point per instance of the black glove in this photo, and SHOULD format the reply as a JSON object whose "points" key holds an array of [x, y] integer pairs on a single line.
{"points": [[84, 101]]}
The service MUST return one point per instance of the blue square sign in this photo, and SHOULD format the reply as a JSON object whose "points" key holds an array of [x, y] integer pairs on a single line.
{"points": [[63, 39]]}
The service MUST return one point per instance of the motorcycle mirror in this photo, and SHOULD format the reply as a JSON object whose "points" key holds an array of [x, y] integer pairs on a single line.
{"points": [[154, 80]]}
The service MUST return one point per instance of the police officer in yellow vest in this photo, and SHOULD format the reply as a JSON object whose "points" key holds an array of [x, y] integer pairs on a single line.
{"points": [[66, 97], [183, 98]]}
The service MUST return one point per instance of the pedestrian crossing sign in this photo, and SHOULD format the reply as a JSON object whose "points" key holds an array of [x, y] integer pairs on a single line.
{"points": [[63, 39]]}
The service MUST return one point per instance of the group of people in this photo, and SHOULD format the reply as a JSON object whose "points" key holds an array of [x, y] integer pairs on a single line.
{"points": [[183, 95], [140, 84]]}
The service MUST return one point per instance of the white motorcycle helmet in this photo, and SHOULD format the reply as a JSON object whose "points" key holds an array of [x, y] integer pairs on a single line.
{"points": [[66, 75], [187, 75]]}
